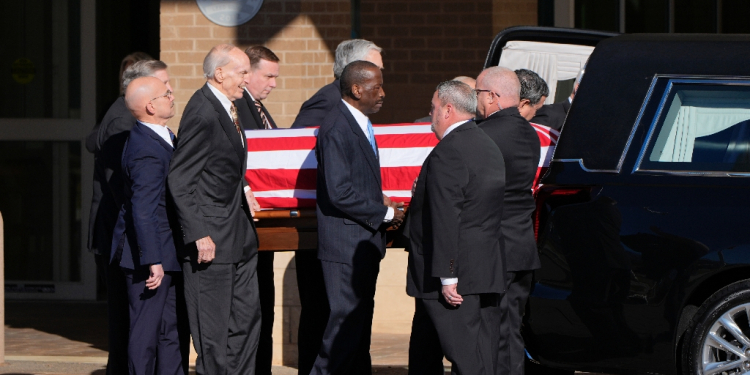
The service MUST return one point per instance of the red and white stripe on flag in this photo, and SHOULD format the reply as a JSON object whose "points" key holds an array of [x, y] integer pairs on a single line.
{"points": [[548, 140], [281, 164]]}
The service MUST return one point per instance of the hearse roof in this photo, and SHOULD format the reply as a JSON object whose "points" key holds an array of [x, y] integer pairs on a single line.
{"points": [[617, 79]]}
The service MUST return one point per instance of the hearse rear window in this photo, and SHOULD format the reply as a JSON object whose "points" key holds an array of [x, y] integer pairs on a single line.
{"points": [[701, 127]]}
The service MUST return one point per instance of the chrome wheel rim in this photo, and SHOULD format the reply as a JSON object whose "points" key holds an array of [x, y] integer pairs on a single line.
{"points": [[726, 347]]}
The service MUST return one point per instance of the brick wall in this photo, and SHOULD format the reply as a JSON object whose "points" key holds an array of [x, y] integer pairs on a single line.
{"points": [[507, 13], [425, 42], [303, 33]]}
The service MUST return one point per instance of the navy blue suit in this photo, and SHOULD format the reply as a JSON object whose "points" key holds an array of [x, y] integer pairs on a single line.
{"points": [[351, 240], [314, 309], [315, 109], [142, 237]]}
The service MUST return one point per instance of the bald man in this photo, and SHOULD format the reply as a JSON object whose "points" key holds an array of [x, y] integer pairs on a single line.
{"points": [[143, 242], [498, 96], [207, 181]]}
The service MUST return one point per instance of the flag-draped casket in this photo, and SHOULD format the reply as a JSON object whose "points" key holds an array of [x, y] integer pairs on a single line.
{"points": [[281, 164]]}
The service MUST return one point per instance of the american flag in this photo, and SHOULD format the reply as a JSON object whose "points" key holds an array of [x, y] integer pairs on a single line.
{"points": [[281, 165], [547, 140]]}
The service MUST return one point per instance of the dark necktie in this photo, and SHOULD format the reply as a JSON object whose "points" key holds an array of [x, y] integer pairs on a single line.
{"points": [[266, 123], [171, 135]]}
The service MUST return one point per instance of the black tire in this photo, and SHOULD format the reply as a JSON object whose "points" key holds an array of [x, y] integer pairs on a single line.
{"points": [[531, 368], [711, 326]]}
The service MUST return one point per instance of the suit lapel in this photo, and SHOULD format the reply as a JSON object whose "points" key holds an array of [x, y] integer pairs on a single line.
{"points": [[257, 123], [364, 144], [227, 125], [158, 139]]}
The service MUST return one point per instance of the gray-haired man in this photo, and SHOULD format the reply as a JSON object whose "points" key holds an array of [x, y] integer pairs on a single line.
{"points": [[534, 91], [206, 179], [319, 105], [313, 300], [454, 257]]}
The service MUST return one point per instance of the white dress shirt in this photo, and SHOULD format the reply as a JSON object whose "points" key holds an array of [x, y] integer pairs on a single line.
{"points": [[225, 102], [362, 121], [161, 130], [451, 280]]}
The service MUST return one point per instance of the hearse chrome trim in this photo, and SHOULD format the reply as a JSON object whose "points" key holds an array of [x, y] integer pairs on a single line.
{"points": [[638, 119], [681, 79], [583, 167]]}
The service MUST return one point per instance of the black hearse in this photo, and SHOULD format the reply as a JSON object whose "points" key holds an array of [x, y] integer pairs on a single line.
{"points": [[644, 216]]}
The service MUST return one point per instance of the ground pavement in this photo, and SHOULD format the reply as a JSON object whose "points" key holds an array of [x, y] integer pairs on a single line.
{"points": [[70, 338]]}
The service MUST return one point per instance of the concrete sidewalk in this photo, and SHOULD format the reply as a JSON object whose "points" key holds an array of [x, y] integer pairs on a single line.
{"points": [[70, 338]]}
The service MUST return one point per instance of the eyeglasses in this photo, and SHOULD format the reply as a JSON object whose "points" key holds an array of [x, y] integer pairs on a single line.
{"points": [[166, 95], [478, 91]]}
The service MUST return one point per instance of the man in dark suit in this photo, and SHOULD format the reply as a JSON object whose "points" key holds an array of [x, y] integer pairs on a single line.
{"points": [[106, 201], [315, 109], [264, 69], [553, 115], [352, 217], [313, 300], [143, 242], [206, 179], [498, 96], [455, 237]]}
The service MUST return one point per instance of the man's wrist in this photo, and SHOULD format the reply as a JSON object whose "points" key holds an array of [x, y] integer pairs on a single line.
{"points": [[388, 215], [449, 280]]}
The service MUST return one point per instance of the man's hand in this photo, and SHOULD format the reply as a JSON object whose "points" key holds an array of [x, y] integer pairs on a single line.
{"points": [[451, 295], [252, 203], [389, 203], [206, 249], [398, 217], [414, 186], [156, 274]]}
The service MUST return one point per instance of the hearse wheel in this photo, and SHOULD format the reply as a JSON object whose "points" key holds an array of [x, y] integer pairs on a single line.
{"points": [[717, 340]]}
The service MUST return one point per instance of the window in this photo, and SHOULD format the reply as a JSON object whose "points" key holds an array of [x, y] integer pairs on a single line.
{"points": [[40, 57], [702, 126]]}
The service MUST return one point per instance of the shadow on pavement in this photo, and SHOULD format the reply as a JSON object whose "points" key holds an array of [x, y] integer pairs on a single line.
{"points": [[77, 321]]}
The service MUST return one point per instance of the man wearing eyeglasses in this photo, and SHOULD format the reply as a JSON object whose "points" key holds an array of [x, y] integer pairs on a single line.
{"points": [[143, 241], [498, 95], [105, 206]]}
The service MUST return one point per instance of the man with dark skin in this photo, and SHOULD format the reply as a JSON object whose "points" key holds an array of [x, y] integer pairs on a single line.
{"points": [[352, 216]]}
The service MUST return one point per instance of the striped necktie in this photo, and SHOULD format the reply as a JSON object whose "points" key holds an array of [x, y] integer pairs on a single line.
{"points": [[236, 120], [263, 118]]}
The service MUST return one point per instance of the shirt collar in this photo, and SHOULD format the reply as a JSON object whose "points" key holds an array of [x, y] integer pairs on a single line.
{"points": [[360, 117], [225, 102], [160, 130], [452, 127]]}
